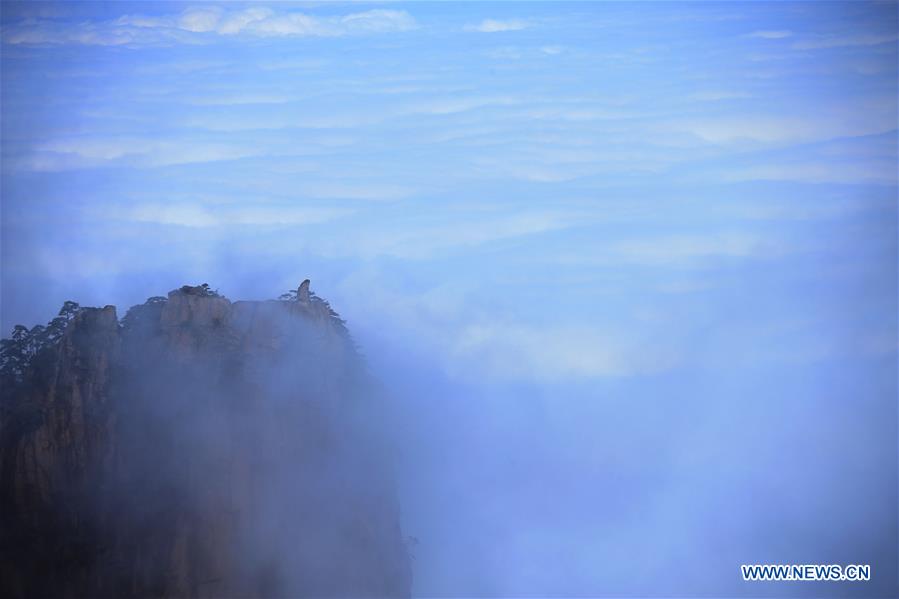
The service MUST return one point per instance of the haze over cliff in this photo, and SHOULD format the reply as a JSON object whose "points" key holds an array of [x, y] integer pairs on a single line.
{"points": [[196, 447]]}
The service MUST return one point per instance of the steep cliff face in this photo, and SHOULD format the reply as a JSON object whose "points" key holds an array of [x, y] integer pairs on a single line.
{"points": [[199, 448]]}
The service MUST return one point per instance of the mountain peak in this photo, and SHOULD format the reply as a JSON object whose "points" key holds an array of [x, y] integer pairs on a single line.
{"points": [[198, 447]]}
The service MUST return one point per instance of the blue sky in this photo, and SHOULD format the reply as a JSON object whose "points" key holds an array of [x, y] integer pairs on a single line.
{"points": [[649, 249]]}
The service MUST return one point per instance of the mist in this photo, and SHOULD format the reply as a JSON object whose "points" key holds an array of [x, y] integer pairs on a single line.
{"points": [[622, 277]]}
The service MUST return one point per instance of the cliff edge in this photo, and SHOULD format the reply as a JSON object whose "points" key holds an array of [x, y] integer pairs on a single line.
{"points": [[197, 448]]}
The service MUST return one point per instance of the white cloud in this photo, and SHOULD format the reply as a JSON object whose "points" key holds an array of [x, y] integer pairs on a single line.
{"points": [[87, 152], [378, 21], [474, 341], [495, 26], [238, 99], [454, 104], [292, 64], [718, 95], [680, 249], [141, 21], [771, 35], [196, 25], [504, 53], [202, 215], [863, 118], [414, 240], [110, 33], [519, 352], [265, 120], [358, 191], [840, 41], [236, 22], [200, 20], [869, 171], [294, 24]]}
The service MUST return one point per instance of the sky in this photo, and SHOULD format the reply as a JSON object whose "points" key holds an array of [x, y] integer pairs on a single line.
{"points": [[628, 269]]}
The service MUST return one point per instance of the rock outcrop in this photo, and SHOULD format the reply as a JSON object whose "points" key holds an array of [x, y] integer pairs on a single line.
{"points": [[199, 448]]}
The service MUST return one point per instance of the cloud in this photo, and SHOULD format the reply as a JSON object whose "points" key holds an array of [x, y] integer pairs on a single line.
{"points": [[870, 117], [378, 21], [718, 95], [108, 33], [200, 25], [292, 64], [682, 249], [70, 153], [509, 351], [272, 120], [201, 215], [455, 104], [200, 20], [236, 22], [423, 239], [495, 26], [771, 35], [473, 340], [239, 99], [817, 42], [357, 191], [881, 172]]}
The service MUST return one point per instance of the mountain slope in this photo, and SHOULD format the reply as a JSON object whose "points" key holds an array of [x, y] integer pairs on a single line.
{"points": [[198, 448]]}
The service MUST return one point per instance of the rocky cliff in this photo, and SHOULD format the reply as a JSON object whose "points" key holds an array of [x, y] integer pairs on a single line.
{"points": [[196, 448]]}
